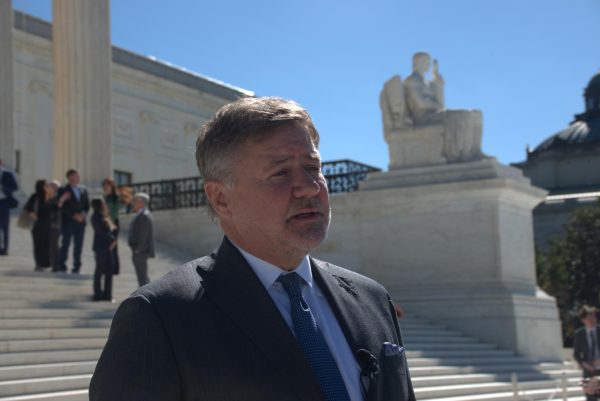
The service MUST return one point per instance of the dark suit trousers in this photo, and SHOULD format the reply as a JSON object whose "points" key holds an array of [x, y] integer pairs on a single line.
{"points": [[4, 220], [586, 375], [104, 267], [71, 229], [41, 244], [54, 236], [140, 262]]}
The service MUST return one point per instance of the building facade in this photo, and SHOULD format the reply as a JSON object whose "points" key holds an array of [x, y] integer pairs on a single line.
{"points": [[567, 164], [156, 110]]}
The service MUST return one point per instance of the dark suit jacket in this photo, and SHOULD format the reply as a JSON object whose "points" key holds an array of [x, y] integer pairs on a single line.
{"points": [[210, 331], [72, 205], [103, 236], [581, 351], [141, 234], [8, 182]]}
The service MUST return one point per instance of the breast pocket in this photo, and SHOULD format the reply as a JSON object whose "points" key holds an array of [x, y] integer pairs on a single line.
{"points": [[394, 377]]}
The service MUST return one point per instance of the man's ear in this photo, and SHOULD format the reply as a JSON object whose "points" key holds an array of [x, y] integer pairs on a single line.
{"points": [[217, 196]]}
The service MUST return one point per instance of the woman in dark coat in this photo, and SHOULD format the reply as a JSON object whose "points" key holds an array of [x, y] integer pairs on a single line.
{"points": [[103, 245], [43, 209], [113, 203]]}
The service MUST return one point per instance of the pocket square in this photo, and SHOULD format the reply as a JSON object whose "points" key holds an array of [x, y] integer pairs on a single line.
{"points": [[390, 349]]}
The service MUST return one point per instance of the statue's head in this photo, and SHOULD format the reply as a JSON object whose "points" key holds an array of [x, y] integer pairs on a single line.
{"points": [[421, 62]]}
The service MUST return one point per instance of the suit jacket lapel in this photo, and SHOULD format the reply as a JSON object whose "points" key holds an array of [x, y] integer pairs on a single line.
{"points": [[345, 303], [344, 299], [231, 283]]}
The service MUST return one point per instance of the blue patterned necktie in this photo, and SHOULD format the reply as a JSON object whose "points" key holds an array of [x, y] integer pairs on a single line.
{"points": [[312, 341]]}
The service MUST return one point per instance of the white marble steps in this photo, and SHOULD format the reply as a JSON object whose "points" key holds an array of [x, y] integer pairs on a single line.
{"points": [[46, 370], [44, 384], [72, 395], [51, 336], [53, 333]]}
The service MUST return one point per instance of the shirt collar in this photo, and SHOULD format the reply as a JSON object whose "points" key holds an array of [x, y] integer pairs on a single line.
{"points": [[268, 273], [141, 211]]}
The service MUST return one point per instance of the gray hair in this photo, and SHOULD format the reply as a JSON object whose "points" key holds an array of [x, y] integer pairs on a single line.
{"points": [[235, 123], [144, 197]]}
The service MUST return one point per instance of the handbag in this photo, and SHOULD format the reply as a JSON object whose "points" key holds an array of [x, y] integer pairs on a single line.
{"points": [[25, 221]]}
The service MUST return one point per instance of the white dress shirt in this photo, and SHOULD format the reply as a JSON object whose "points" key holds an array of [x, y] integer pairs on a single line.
{"points": [[326, 320]]}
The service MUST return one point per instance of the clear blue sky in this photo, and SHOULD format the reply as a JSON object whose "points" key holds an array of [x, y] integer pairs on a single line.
{"points": [[524, 63]]}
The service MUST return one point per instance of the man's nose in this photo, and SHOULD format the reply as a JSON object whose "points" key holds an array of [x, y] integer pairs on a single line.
{"points": [[306, 184]]}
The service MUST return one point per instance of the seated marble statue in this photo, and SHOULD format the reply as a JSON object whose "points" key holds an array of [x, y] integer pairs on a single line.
{"points": [[418, 128]]}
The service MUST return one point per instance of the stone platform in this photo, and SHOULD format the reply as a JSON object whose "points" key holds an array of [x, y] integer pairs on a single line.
{"points": [[453, 243]]}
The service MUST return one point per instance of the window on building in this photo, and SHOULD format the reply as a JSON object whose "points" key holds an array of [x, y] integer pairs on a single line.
{"points": [[122, 178], [17, 161]]}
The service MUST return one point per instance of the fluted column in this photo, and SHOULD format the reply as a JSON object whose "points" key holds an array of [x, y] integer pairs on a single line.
{"points": [[7, 136], [81, 52]]}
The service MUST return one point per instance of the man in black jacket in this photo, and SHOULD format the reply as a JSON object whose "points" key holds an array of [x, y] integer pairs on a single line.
{"points": [[141, 237], [8, 184], [74, 212], [586, 347], [258, 320]]}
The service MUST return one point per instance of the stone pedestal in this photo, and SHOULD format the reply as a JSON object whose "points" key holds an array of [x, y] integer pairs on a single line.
{"points": [[453, 244], [82, 84], [7, 137], [416, 147]]}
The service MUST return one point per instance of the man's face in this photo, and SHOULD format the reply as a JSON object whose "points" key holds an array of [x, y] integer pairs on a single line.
{"points": [[138, 204], [590, 320], [277, 207], [73, 179]]}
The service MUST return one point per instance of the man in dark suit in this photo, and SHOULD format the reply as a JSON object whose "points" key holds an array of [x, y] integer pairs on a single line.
{"points": [[586, 347], [8, 184], [259, 319], [141, 237], [74, 212]]}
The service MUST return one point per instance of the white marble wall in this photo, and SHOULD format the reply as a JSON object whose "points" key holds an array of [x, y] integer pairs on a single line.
{"points": [[154, 121], [7, 151]]}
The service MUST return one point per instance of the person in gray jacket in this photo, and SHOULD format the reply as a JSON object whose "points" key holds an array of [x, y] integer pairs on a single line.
{"points": [[141, 237]]}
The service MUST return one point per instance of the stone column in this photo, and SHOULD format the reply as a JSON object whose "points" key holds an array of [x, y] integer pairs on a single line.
{"points": [[7, 136], [81, 51]]}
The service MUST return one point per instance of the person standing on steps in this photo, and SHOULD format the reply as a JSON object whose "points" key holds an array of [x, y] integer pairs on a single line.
{"points": [[8, 185], [43, 207], [586, 349], [74, 212], [104, 243], [141, 237], [112, 198]]}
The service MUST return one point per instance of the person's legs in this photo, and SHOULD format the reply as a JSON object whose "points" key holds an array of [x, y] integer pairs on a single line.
{"points": [[53, 247], [100, 260], [116, 261], [37, 251], [108, 275], [4, 223], [140, 262], [78, 232], [67, 233]]}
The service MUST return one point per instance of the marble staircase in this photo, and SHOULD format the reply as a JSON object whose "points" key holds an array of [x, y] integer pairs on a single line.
{"points": [[51, 335]]}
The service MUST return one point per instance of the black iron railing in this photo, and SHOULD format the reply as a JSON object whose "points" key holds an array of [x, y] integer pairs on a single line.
{"points": [[173, 194], [344, 175], [341, 176]]}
